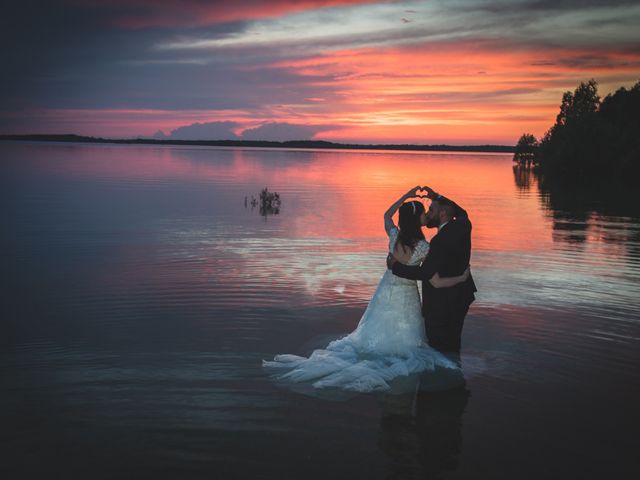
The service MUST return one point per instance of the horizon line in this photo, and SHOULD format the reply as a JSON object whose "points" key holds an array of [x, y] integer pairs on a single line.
{"points": [[42, 137]]}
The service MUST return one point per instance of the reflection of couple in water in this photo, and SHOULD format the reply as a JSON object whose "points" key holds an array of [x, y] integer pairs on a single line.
{"points": [[422, 434], [397, 337]]}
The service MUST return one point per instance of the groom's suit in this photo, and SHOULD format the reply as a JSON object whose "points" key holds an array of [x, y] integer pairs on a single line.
{"points": [[444, 309]]}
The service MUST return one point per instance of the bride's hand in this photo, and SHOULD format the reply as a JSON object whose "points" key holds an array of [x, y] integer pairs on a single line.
{"points": [[413, 192]]}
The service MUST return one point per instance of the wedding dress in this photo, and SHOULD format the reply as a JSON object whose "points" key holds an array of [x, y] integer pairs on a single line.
{"points": [[388, 342]]}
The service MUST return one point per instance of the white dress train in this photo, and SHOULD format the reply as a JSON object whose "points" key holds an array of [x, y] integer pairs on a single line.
{"points": [[388, 342]]}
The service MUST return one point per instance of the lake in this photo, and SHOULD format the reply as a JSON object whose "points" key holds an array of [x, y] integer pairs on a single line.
{"points": [[141, 292]]}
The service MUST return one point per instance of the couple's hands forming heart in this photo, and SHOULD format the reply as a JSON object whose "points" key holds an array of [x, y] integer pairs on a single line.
{"points": [[422, 192]]}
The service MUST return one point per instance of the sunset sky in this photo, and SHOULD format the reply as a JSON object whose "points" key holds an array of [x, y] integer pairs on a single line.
{"points": [[427, 72]]}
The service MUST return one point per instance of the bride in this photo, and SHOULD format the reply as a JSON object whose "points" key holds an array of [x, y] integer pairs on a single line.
{"points": [[389, 340]]}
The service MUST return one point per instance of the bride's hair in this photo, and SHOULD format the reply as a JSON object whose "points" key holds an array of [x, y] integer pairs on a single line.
{"points": [[409, 223]]}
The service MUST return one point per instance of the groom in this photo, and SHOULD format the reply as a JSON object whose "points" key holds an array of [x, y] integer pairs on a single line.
{"points": [[443, 309]]}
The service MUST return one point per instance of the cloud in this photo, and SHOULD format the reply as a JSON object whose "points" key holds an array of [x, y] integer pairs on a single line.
{"points": [[524, 23], [203, 131], [315, 30], [143, 14], [225, 130], [346, 70], [282, 132]]}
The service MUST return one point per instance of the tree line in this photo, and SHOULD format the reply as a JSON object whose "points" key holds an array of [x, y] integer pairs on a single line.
{"points": [[590, 138], [315, 144]]}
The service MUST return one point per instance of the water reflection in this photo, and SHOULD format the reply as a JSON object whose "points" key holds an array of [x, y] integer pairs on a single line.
{"points": [[586, 212], [139, 286], [421, 433], [523, 176]]}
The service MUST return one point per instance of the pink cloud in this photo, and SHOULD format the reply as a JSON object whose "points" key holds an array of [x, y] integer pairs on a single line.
{"points": [[139, 14]]}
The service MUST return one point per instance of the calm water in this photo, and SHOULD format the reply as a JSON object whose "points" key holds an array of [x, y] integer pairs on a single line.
{"points": [[140, 294]]}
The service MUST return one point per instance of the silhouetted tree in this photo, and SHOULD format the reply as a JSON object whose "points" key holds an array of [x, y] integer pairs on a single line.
{"points": [[526, 149], [583, 102], [621, 113], [592, 138]]}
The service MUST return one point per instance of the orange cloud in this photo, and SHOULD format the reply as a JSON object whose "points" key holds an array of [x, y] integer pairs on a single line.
{"points": [[371, 72], [452, 92], [457, 93]]}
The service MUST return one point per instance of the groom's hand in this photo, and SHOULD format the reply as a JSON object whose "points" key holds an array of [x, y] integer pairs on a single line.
{"points": [[390, 261]]}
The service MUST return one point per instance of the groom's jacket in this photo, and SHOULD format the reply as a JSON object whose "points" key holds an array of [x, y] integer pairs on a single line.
{"points": [[449, 254]]}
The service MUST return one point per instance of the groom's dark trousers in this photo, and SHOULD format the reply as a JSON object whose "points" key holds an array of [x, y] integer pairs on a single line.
{"points": [[444, 309]]}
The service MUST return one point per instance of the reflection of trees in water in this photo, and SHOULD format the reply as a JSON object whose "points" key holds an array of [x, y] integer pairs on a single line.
{"points": [[605, 211], [570, 211], [523, 176], [422, 434]]}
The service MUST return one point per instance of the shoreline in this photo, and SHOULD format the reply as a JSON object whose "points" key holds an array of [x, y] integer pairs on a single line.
{"points": [[310, 144]]}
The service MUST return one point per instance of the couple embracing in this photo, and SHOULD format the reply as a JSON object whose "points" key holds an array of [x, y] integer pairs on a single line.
{"points": [[397, 336]]}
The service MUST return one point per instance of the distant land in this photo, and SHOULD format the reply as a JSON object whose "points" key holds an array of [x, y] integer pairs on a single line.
{"points": [[260, 143]]}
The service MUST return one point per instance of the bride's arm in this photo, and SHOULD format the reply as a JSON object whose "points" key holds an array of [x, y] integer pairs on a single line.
{"points": [[388, 215], [442, 282]]}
